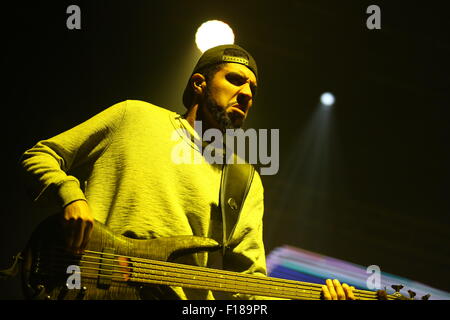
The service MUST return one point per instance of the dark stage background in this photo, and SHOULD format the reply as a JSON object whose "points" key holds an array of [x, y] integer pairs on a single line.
{"points": [[380, 196]]}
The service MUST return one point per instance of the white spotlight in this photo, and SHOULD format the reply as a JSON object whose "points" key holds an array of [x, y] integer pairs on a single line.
{"points": [[327, 99], [213, 33]]}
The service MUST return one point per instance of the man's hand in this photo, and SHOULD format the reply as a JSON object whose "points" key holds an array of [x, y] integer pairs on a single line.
{"points": [[77, 223], [333, 290]]}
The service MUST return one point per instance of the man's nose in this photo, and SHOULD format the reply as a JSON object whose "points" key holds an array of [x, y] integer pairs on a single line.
{"points": [[245, 96]]}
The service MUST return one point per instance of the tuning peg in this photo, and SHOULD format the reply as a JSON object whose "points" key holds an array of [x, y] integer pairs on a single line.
{"points": [[426, 297], [397, 288], [412, 294]]}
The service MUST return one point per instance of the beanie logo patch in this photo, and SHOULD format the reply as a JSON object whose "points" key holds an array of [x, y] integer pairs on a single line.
{"points": [[235, 60]]}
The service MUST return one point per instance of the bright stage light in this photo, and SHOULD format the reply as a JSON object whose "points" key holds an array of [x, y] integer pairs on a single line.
{"points": [[213, 33], [327, 99]]}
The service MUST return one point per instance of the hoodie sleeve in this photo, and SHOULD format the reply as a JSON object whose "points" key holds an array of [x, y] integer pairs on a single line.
{"points": [[48, 164]]}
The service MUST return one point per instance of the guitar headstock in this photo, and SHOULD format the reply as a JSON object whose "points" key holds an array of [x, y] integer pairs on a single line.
{"points": [[382, 294]]}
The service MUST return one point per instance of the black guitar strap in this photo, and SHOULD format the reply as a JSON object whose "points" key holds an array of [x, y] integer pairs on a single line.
{"points": [[236, 181]]}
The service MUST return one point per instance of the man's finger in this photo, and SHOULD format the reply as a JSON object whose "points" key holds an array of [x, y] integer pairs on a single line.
{"points": [[69, 234], [330, 286], [326, 293], [79, 227], [87, 234], [339, 290], [349, 291]]}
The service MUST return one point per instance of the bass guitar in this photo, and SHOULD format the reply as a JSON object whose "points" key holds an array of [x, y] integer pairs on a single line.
{"points": [[116, 267]]}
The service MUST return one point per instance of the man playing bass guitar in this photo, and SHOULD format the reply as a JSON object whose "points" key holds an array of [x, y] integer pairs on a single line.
{"points": [[118, 168]]}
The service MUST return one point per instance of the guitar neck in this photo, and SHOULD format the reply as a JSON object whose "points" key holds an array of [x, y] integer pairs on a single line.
{"points": [[142, 270]]}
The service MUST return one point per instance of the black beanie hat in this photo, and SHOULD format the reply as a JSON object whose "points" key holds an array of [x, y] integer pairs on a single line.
{"points": [[228, 53]]}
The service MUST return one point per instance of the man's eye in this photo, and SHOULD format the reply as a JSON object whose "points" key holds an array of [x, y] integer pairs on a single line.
{"points": [[236, 79]]}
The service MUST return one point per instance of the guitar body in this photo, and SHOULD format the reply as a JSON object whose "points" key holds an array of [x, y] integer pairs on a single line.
{"points": [[50, 272]]}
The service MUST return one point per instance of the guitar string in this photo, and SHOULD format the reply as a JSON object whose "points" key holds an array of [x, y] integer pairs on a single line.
{"points": [[208, 276], [195, 268], [256, 278], [172, 282], [157, 281], [176, 280], [256, 291], [293, 285], [200, 269]]}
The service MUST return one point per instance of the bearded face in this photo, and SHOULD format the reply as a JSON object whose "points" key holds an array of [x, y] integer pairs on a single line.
{"points": [[228, 97]]}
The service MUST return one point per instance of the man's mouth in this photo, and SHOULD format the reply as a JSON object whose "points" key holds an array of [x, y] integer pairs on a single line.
{"points": [[237, 109]]}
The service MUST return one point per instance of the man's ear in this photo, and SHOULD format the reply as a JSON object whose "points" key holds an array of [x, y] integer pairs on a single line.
{"points": [[198, 83]]}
